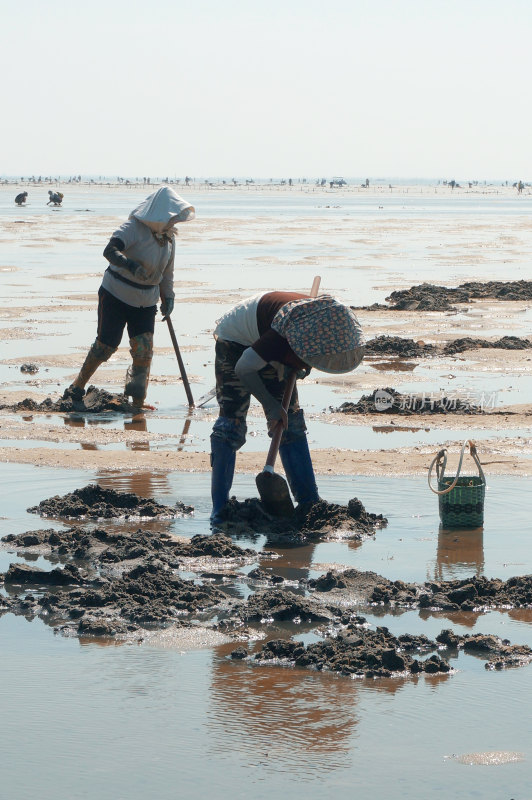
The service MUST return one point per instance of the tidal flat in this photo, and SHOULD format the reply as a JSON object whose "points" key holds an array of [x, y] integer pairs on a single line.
{"points": [[165, 709]]}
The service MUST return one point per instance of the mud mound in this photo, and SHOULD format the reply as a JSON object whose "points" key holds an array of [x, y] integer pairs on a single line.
{"points": [[398, 346], [502, 654], [282, 604], [96, 503], [358, 651], [309, 519], [428, 297], [30, 369], [103, 548], [468, 343], [389, 401], [95, 401], [468, 594], [148, 596], [22, 574], [409, 348]]}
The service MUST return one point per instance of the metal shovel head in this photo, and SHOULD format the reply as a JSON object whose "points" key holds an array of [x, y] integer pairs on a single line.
{"points": [[274, 494]]}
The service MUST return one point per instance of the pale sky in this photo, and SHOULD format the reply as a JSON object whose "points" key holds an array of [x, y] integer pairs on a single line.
{"points": [[269, 88]]}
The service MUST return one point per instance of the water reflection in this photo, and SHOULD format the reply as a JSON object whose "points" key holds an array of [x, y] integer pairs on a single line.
{"points": [[290, 718], [460, 552]]}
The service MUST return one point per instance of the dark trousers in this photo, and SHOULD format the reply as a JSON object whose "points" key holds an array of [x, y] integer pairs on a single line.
{"points": [[114, 315]]}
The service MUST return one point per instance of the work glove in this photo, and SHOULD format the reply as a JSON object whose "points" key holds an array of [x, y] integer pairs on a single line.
{"points": [[136, 269], [300, 374], [167, 306]]}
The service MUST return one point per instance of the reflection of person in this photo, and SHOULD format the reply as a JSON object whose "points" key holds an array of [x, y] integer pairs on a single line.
{"points": [[21, 198], [56, 198], [140, 271], [255, 342]]}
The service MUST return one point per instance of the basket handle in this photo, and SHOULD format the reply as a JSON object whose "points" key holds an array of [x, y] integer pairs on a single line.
{"points": [[440, 460]]}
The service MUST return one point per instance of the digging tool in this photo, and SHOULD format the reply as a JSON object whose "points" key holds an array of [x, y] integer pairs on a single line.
{"points": [[206, 397], [182, 369], [273, 489]]}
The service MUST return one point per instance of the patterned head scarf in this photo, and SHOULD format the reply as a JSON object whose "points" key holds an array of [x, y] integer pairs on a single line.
{"points": [[323, 332]]}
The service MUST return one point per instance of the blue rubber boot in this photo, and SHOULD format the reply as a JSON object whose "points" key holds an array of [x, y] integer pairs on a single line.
{"points": [[295, 457], [223, 458]]}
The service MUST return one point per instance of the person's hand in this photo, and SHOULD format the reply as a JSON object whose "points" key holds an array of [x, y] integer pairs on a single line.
{"points": [[136, 269], [167, 306], [282, 417]]}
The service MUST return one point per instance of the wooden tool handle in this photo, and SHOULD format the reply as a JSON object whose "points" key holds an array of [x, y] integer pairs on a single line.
{"points": [[180, 361], [287, 396]]}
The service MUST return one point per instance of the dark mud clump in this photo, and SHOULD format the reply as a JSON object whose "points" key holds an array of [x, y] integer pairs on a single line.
{"points": [[428, 297], [96, 503], [409, 348], [501, 652], [398, 346], [30, 369], [467, 594], [127, 580], [148, 596], [358, 651], [95, 401], [283, 604], [309, 519], [389, 401], [102, 549], [468, 343]]}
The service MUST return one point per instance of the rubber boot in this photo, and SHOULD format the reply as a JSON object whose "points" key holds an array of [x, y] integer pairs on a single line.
{"points": [[295, 457], [223, 458], [138, 374], [98, 353]]}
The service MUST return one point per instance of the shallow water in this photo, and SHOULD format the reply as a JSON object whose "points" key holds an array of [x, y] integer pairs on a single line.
{"points": [[123, 721], [83, 719]]}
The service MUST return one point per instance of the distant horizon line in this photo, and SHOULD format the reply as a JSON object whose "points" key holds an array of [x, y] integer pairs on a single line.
{"points": [[313, 181]]}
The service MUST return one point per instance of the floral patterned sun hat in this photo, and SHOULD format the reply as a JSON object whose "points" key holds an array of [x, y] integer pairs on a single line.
{"points": [[323, 332]]}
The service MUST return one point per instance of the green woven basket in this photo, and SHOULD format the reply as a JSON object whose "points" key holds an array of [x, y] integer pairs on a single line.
{"points": [[460, 498]]}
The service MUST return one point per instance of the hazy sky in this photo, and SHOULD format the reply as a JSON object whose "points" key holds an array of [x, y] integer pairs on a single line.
{"points": [[405, 88]]}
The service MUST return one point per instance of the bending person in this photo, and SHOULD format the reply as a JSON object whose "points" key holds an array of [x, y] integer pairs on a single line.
{"points": [[140, 271], [21, 198], [257, 344], [55, 197]]}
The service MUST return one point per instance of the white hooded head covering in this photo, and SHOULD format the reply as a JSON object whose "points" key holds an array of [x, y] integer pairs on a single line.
{"points": [[162, 209]]}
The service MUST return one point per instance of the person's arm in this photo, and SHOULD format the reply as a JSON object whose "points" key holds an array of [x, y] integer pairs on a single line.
{"points": [[113, 254], [247, 370], [166, 285]]}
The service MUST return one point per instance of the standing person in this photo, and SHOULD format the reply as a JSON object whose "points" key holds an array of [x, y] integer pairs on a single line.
{"points": [[255, 342], [21, 198], [141, 270]]}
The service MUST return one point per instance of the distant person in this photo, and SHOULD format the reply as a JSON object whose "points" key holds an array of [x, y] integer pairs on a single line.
{"points": [[21, 198], [56, 198], [140, 272], [520, 187]]}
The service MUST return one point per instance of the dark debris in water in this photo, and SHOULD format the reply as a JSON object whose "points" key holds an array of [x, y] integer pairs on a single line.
{"points": [[94, 502]]}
